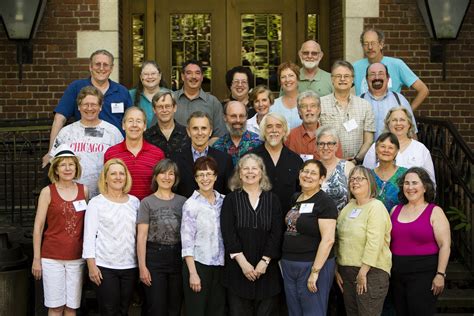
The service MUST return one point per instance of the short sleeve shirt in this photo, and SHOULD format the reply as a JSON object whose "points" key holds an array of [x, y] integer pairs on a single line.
{"points": [[321, 83]]}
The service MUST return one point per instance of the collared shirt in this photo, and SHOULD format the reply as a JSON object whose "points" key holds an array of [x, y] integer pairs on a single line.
{"points": [[199, 154], [178, 139], [146, 105], [252, 125], [304, 144], [381, 106], [116, 95], [358, 117], [292, 116], [140, 166], [205, 102], [201, 235], [400, 74], [248, 142], [321, 83]]}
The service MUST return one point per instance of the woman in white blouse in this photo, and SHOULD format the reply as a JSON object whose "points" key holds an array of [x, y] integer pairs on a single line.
{"points": [[262, 99], [109, 239], [202, 245], [412, 153]]}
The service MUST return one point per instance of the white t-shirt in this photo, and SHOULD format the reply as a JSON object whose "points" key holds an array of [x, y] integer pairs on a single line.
{"points": [[415, 155], [110, 232], [90, 145]]}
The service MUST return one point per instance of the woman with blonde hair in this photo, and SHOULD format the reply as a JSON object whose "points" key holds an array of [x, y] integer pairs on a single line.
{"points": [[57, 252], [262, 99], [110, 238]]}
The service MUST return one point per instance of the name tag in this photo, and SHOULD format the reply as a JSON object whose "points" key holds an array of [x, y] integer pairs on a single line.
{"points": [[117, 107], [306, 157], [355, 212], [80, 205], [350, 125], [306, 208]]}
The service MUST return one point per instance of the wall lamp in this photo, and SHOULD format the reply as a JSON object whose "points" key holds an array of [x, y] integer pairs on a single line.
{"points": [[443, 19], [21, 19]]}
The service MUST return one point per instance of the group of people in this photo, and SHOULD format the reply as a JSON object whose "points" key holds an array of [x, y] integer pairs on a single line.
{"points": [[221, 208]]}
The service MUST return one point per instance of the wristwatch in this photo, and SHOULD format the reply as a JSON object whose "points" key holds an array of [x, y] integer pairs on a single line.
{"points": [[441, 273], [267, 261], [315, 270]]}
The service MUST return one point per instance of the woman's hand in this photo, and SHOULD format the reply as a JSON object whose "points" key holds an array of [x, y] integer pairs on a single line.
{"points": [[361, 283], [437, 286], [339, 281], [95, 275], [261, 268], [313, 277], [145, 276], [36, 269], [248, 270], [195, 282]]}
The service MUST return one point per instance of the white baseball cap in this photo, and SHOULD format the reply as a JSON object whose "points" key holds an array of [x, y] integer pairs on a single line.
{"points": [[63, 150]]}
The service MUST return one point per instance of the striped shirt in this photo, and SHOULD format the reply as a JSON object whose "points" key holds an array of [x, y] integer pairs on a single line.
{"points": [[140, 166]]}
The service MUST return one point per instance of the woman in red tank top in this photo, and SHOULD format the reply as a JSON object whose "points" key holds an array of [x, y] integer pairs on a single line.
{"points": [[58, 252], [420, 246]]}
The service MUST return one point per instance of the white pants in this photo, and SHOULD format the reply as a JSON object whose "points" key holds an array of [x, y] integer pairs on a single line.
{"points": [[62, 282]]}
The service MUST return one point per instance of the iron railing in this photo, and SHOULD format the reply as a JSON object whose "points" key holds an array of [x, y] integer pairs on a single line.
{"points": [[22, 145], [453, 160]]}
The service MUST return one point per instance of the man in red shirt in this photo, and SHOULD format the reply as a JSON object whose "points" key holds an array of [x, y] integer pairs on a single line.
{"points": [[302, 139], [139, 155]]}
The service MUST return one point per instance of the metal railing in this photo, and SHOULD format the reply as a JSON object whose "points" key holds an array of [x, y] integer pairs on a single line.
{"points": [[453, 161], [22, 145]]}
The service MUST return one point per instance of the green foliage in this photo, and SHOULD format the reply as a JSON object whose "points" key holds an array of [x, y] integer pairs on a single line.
{"points": [[457, 218]]}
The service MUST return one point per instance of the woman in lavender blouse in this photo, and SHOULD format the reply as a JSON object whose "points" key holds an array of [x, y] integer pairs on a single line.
{"points": [[202, 245]]}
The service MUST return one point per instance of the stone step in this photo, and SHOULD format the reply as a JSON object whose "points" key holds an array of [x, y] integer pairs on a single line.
{"points": [[457, 299], [458, 271]]}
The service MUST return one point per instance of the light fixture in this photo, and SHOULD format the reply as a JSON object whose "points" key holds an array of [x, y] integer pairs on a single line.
{"points": [[443, 19], [21, 19]]}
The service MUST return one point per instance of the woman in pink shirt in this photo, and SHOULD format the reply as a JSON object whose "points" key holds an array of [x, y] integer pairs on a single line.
{"points": [[420, 246]]}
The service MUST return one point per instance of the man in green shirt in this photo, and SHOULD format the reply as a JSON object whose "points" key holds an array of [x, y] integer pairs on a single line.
{"points": [[311, 76]]}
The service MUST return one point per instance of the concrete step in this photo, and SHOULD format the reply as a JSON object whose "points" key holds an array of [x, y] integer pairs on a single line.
{"points": [[457, 299]]}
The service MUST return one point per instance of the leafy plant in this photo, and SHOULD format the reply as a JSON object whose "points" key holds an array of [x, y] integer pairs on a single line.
{"points": [[458, 219]]}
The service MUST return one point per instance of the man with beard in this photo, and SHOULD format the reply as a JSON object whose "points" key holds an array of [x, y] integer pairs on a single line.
{"points": [[302, 139], [311, 76], [380, 97], [191, 98], [199, 129], [351, 116], [238, 141], [373, 42], [282, 165]]}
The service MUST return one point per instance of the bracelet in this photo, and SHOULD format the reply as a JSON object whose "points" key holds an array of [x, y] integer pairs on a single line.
{"points": [[315, 270], [442, 274], [267, 261]]}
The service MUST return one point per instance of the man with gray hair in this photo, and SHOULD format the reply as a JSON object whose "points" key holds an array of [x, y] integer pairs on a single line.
{"points": [[282, 164], [302, 139], [238, 140], [311, 76], [116, 97]]}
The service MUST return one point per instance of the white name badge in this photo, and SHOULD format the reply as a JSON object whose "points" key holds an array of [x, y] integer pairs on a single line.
{"points": [[355, 212], [306, 157], [350, 125], [117, 107], [80, 205], [306, 208]]}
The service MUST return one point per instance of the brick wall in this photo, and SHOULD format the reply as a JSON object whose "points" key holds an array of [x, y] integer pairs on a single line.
{"points": [[337, 31], [54, 60], [407, 38]]}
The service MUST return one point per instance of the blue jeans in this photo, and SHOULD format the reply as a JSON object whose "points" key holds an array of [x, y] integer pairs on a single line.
{"points": [[299, 299]]}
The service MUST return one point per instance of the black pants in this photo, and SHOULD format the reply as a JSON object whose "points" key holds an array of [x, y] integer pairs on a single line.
{"points": [[239, 306], [210, 301], [411, 281], [115, 291], [165, 295]]}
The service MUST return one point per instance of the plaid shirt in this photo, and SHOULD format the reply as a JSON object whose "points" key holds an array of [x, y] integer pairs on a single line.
{"points": [[334, 115], [248, 142]]}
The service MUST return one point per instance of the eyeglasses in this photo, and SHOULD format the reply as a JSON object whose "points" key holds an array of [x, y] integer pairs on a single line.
{"points": [[308, 106], [307, 172], [339, 77], [371, 44], [357, 179], [380, 74], [203, 175], [163, 107], [237, 82], [101, 65], [314, 54], [330, 145]]}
